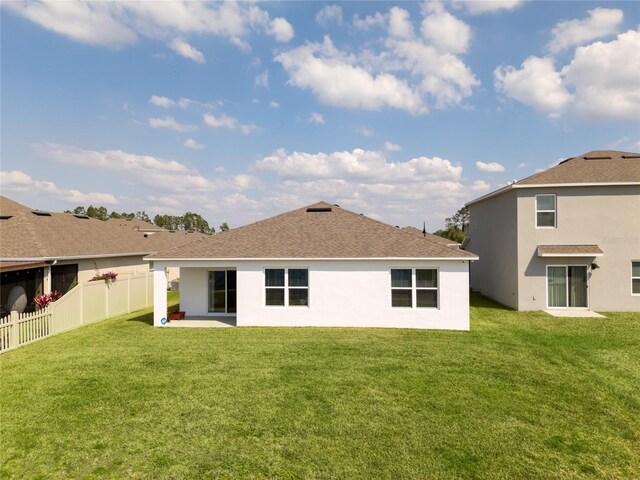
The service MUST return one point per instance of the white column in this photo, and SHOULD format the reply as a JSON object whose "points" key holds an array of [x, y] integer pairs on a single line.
{"points": [[46, 288], [159, 294]]}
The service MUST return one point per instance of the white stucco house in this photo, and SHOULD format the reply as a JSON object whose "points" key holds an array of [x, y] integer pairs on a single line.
{"points": [[321, 266]]}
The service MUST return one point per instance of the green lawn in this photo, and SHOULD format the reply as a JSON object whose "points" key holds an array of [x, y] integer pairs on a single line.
{"points": [[523, 395]]}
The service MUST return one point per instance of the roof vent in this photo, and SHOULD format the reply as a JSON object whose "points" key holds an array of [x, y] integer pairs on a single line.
{"points": [[5, 217], [566, 160], [40, 213], [597, 158], [318, 209], [630, 156], [78, 215]]}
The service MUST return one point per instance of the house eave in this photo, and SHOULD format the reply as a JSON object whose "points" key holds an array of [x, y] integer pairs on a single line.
{"points": [[297, 259], [547, 185], [72, 257]]}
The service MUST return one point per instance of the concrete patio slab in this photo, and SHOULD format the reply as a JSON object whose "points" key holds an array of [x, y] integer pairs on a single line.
{"points": [[574, 313], [204, 322]]}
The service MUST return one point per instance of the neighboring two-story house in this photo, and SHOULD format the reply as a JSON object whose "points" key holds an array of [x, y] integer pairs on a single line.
{"points": [[567, 237]]}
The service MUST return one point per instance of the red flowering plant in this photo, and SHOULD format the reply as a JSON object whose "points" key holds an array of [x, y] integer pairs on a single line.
{"points": [[104, 276], [45, 299]]}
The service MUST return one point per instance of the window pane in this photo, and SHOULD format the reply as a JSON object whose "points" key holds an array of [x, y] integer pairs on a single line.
{"points": [[298, 296], [401, 278], [635, 288], [427, 298], [275, 296], [545, 202], [635, 269], [400, 298], [298, 277], [426, 278], [557, 286], [546, 219], [274, 277]]}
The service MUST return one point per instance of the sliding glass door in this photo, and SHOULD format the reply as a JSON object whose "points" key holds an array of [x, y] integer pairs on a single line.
{"points": [[567, 286], [222, 291]]}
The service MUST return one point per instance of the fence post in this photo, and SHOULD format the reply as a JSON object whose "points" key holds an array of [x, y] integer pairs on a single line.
{"points": [[14, 339], [81, 285], [129, 293]]}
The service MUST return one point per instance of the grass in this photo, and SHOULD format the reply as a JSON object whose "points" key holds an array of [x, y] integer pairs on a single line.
{"points": [[523, 395]]}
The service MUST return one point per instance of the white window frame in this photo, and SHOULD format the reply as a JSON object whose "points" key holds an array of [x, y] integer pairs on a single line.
{"points": [[566, 276], [414, 288], [632, 278], [286, 287], [554, 211]]}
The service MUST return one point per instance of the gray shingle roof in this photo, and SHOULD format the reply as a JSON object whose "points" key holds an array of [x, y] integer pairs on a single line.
{"points": [[597, 166], [26, 236], [337, 233]]}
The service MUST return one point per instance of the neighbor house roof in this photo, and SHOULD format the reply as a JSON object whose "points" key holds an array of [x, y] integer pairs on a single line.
{"points": [[318, 231], [569, 251], [35, 235], [11, 207], [598, 167], [431, 236]]}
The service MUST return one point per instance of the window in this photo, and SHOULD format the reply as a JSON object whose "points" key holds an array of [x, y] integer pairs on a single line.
{"points": [[546, 211], [635, 278], [296, 292], [425, 293]]}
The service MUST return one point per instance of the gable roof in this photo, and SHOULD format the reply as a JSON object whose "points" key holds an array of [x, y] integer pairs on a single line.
{"points": [[11, 207], [431, 236], [318, 231], [34, 236], [598, 167]]}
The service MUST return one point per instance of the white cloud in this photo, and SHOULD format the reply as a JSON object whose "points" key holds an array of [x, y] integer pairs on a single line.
{"points": [[329, 14], [359, 163], [163, 102], [479, 7], [601, 81], [274, 104], [187, 51], [336, 80], [281, 30], [117, 24], [316, 118], [172, 124], [191, 143], [400, 23], [369, 21], [601, 22], [392, 147], [225, 121], [171, 176], [92, 23], [492, 167], [365, 132], [536, 83], [443, 75], [447, 33], [262, 80], [17, 181], [606, 78]]}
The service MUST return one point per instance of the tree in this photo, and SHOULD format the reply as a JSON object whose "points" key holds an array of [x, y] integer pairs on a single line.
{"points": [[142, 215], [193, 221], [224, 227], [97, 212], [455, 226]]}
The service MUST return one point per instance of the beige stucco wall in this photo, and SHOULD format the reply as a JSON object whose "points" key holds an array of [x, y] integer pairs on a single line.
{"points": [[605, 216], [120, 265], [492, 236]]}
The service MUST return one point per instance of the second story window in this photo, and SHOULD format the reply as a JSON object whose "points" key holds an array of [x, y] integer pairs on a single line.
{"points": [[546, 211]]}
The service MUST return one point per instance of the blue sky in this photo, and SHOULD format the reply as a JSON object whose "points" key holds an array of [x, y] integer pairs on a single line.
{"points": [[402, 111]]}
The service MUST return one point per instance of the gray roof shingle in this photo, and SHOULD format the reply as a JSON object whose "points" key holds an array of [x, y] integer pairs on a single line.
{"points": [[337, 233]]}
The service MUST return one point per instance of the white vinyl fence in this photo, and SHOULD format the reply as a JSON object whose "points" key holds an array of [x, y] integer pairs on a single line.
{"points": [[86, 303]]}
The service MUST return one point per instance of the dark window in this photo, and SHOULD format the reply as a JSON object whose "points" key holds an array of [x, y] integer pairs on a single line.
{"points": [[274, 283], [64, 277]]}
